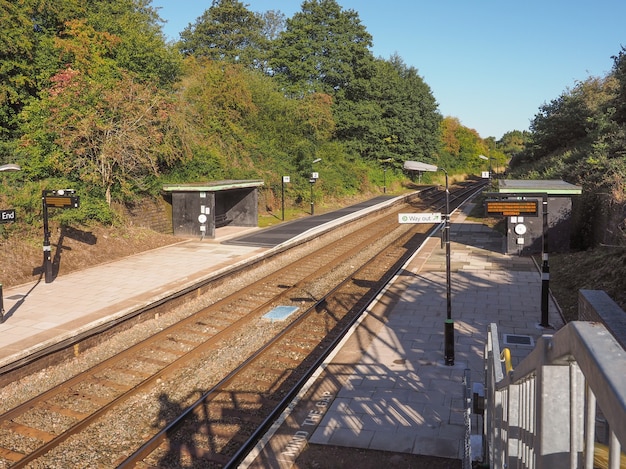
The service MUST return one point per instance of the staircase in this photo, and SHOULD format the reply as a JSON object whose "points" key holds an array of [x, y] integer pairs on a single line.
{"points": [[563, 406]]}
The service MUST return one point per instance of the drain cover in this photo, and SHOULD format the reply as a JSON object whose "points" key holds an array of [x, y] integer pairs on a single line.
{"points": [[280, 313], [513, 339]]}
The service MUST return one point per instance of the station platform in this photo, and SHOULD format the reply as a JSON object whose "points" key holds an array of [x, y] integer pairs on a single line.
{"points": [[39, 316], [387, 387]]}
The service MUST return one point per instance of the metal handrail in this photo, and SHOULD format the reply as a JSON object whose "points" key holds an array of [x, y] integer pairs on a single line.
{"points": [[553, 391]]}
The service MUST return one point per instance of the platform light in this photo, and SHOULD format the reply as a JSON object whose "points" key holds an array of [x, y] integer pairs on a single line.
{"points": [[312, 180], [449, 324], [385, 162], [10, 167]]}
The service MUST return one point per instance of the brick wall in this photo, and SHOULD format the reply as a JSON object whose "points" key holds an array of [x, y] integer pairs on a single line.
{"points": [[155, 214]]}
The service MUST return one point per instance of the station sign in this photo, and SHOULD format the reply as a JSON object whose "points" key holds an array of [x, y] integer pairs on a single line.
{"points": [[7, 216], [66, 201], [61, 198], [419, 218], [512, 207]]}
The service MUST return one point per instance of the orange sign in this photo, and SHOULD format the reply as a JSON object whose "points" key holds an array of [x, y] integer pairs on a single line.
{"points": [[512, 208]]}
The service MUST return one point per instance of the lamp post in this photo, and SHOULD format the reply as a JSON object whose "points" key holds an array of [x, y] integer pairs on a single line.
{"points": [[314, 177], [449, 324], [388, 160], [10, 167], [483, 157]]}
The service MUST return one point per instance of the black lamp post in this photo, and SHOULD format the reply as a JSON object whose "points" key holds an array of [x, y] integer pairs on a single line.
{"points": [[388, 160], [312, 180], [449, 324], [6, 168]]}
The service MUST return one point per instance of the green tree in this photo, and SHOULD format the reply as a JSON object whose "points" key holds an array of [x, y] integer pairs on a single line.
{"points": [[513, 142], [141, 46], [32, 29], [461, 147], [16, 51], [105, 135], [214, 102], [227, 31], [324, 48]]}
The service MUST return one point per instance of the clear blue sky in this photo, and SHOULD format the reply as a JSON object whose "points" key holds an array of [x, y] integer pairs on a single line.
{"points": [[491, 64]]}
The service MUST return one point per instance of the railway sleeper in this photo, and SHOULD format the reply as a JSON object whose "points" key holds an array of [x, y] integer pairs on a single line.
{"points": [[10, 455], [30, 432]]}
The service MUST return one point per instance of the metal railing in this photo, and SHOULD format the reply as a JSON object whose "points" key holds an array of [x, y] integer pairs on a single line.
{"points": [[546, 412]]}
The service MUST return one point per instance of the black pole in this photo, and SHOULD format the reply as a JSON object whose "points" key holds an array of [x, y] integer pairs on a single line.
{"points": [[283, 197], [47, 259], [545, 267], [1, 305], [449, 325], [385, 180], [312, 205]]}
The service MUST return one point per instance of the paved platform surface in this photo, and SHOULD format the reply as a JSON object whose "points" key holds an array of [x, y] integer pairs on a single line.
{"points": [[388, 388], [39, 315]]}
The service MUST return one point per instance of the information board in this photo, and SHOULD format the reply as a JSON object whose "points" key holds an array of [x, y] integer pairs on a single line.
{"points": [[70, 201], [512, 208]]}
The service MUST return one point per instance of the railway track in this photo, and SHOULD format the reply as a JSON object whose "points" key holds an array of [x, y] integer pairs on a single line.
{"points": [[220, 417]]}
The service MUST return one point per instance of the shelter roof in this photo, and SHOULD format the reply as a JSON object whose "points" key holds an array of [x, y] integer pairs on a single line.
{"points": [[213, 186]]}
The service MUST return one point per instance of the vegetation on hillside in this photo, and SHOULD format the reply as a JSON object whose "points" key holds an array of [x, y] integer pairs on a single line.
{"points": [[580, 137], [93, 98]]}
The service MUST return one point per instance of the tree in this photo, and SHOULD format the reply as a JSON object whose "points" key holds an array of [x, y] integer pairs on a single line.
{"points": [[16, 51], [399, 118], [566, 120], [227, 31], [33, 31], [141, 47], [273, 24], [103, 134], [324, 48], [461, 146]]}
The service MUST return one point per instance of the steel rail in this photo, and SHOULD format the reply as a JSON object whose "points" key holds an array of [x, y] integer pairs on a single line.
{"points": [[165, 433]]}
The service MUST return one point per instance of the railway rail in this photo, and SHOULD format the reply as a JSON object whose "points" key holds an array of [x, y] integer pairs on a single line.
{"points": [[223, 413]]}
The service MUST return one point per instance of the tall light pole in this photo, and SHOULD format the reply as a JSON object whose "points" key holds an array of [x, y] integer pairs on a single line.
{"points": [[388, 160], [483, 157], [10, 167], [449, 323], [314, 177]]}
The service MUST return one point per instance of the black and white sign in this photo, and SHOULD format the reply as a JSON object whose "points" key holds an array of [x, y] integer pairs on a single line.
{"points": [[7, 216]]}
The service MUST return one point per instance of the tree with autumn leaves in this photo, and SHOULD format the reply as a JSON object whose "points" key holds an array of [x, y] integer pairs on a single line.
{"points": [[94, 97]]}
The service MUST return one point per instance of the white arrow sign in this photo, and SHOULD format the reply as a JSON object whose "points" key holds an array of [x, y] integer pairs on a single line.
{"points": [[419, 218]]}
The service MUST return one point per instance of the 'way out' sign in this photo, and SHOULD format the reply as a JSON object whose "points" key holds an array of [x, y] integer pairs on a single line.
{"points": [[419, 218]]}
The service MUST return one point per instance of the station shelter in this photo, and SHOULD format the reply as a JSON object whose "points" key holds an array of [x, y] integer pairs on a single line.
{"points": [[198, 209], [531, 205]]}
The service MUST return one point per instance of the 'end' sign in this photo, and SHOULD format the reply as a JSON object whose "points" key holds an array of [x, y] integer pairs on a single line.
{"points": [[419, 218], [7, 216]]}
